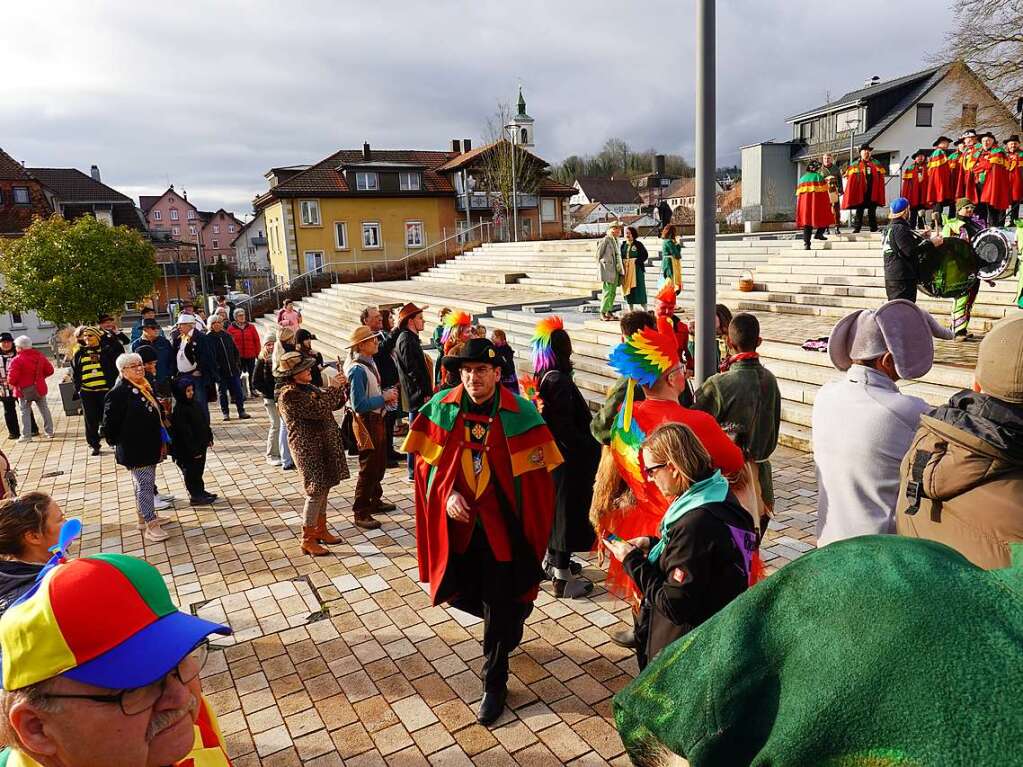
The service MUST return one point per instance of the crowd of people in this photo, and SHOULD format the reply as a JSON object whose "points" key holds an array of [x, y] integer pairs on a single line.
{"points": [[513, 475]]}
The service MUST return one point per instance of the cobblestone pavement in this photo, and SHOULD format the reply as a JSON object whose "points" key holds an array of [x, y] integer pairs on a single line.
{"points": [[341, 659]]}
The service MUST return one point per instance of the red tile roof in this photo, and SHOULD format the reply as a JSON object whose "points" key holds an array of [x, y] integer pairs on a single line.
{"points": [[323, 179], [10, 169]]}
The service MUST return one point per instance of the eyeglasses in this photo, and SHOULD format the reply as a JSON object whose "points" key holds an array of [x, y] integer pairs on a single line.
{"points": [[134, 365], [139, 699], [649, 471]]}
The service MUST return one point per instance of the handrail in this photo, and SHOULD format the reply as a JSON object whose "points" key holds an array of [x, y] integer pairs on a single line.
{"points": [[307, 276]]}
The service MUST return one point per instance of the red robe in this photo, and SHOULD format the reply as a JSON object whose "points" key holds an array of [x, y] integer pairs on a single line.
{"points": [[940, 188], [856, 185], [1015, 168], [993, 175], [813, 205], [914, 185], [966, 184], [520, 456]]}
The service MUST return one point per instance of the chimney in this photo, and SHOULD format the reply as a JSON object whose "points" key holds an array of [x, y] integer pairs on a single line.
{"points": [[94, 172], [184, 193], [872, 82], [456, 146], [366, 154], [659, 164], [466, 144]]}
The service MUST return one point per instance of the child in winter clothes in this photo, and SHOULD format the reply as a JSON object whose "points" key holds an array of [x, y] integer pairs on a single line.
{"points": [[191, 438], [507, 357]]}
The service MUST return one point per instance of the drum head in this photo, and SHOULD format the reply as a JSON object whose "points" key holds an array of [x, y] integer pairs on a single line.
{"points": [[996, 253], [949, 270]]}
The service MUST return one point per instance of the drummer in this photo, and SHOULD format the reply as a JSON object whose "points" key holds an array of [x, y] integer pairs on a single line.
{"points": [[903, 250], [968, 226]]}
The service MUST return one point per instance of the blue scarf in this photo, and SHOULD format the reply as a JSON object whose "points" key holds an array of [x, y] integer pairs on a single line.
{"points": [[714, 489]]}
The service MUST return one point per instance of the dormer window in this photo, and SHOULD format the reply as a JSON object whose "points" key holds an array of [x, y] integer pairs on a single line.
{"points": [[366, 181], [409, 181]]}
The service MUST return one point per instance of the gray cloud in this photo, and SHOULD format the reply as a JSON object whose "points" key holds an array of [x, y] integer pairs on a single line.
{"points": [[210, 95]]}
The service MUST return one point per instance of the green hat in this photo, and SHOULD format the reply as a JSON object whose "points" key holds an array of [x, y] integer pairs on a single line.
{"points": [[964, 202]]}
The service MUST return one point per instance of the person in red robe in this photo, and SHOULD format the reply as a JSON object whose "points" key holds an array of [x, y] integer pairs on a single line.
{"points": [[1015, 168], [864, 189], [914, 187], [940, 190], [992, 175], [484, 505], [813, 204], [966, 184], [664, 306]]}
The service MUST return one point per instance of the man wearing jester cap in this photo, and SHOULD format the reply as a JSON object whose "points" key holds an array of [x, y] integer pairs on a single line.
{"points": [[651, 359], [100, 668]]}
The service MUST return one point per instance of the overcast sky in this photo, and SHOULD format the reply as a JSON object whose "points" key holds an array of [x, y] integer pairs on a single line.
{"points": [[209, 95]]}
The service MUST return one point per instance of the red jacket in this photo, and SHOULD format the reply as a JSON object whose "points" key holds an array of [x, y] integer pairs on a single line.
{"points": [[246, 339], [29, 367]]}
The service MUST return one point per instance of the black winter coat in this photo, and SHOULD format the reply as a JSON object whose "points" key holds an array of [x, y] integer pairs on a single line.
{"points": [[199, 351], [263, 377], [568, 417], [412, 369], [114, 343], [902, 256], [190, 433], [701, 569], [225, 355], [132, 426], [384, 359]]}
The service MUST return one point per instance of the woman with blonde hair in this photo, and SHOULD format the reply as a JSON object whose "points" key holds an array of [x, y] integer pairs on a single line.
{"points": [[701, 559]]}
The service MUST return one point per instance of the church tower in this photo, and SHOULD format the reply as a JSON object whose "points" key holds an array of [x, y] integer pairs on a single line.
{"points": [[523, 125]]}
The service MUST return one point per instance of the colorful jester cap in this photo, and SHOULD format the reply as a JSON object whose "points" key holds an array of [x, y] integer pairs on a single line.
{"points": [[540, 343], [105, 620], [666, 295], [643, 358], [453, 323]]}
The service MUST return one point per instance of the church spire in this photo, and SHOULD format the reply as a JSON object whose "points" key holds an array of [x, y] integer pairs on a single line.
{"points": [[522, 103]]}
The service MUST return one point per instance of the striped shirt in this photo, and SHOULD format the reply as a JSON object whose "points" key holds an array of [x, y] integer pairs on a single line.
{"points": [[93, 378]]}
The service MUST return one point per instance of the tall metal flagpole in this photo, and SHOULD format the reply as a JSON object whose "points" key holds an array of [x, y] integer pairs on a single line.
{"points": [[706, 339]]}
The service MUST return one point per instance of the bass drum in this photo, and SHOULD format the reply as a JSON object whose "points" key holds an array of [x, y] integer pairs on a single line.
{"points": [[949, 270], [997, 252]]}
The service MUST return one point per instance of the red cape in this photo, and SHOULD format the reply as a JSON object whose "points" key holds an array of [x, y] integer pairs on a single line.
{"points": [[521, 454], [995, 189], [914, 185], [856, 185], [966, 183], [813, 205], [939, 179], [1015, 168]]}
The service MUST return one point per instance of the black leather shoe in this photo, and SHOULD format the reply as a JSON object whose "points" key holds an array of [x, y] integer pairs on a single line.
{"points": [[624, 638], [491, 707]]}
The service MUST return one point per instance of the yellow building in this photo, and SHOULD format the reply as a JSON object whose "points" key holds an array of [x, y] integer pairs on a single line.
{"points": [[362, 207]]}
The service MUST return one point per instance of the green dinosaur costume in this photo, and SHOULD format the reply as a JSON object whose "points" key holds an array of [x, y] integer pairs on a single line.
{"points": [[872, 651]]}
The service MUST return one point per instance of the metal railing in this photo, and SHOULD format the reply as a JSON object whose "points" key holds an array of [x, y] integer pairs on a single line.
{"points": [[324, 275]]}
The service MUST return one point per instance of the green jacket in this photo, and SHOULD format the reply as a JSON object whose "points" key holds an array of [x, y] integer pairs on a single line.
{"points": [[876, 651]]}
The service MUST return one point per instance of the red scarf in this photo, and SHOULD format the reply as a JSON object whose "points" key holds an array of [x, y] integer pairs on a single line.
{"points": [[728, 362]]}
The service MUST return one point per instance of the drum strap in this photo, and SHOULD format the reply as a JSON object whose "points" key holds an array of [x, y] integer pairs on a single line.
{"points": [[915, 486]]}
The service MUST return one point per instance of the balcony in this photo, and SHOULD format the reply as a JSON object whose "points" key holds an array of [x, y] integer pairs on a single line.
{"points": [[484, 201], [258, 242]]}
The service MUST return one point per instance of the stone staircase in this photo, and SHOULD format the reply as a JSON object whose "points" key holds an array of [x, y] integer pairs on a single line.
{"points": [[798, 295]]}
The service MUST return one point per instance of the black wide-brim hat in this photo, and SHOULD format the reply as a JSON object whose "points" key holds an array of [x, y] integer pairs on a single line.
{"points": [[474, 350], [919, 153], [866, 146], [939, 139]]}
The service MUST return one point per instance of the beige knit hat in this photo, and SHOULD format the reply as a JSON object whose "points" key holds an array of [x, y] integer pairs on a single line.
{"points": [[1000, 361]]}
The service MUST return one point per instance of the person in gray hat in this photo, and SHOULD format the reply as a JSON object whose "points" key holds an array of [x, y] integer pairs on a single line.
{"points": [[962, 477], [862, 423]]}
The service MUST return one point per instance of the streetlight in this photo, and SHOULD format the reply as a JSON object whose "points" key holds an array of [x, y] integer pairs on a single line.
{"points": [[853, 124], [515, 198]]}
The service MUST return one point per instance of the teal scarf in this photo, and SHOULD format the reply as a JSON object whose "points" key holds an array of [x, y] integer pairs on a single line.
{"points": [[714, 489]]}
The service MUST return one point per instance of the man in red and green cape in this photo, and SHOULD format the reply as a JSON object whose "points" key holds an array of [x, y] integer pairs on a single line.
{"points": [[813, 205], [484, 505], [993, 182], [864, 189], [940, 192]]}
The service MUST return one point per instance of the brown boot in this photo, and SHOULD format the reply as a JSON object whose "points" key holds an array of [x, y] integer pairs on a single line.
{"points": [[321, 531], [366, 522], [310, 545]]}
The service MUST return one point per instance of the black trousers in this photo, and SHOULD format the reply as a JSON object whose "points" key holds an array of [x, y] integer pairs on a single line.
{"points": [[993, 216], [938, 207], [192, 469], [390, 419], [807, 230], [900, 289], [249, 367], [1014, 214], [916, 217], [871, 217], [484, 591], [13, 420], [92, 412]]}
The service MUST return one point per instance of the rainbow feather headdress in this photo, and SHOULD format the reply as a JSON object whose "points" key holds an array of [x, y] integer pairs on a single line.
{"points": [[643, 358], [667, 293], [540, 343], [454, 322]]}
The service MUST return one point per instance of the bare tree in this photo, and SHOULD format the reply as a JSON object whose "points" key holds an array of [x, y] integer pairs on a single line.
{"points": [[496, 166], [989, 37]]}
